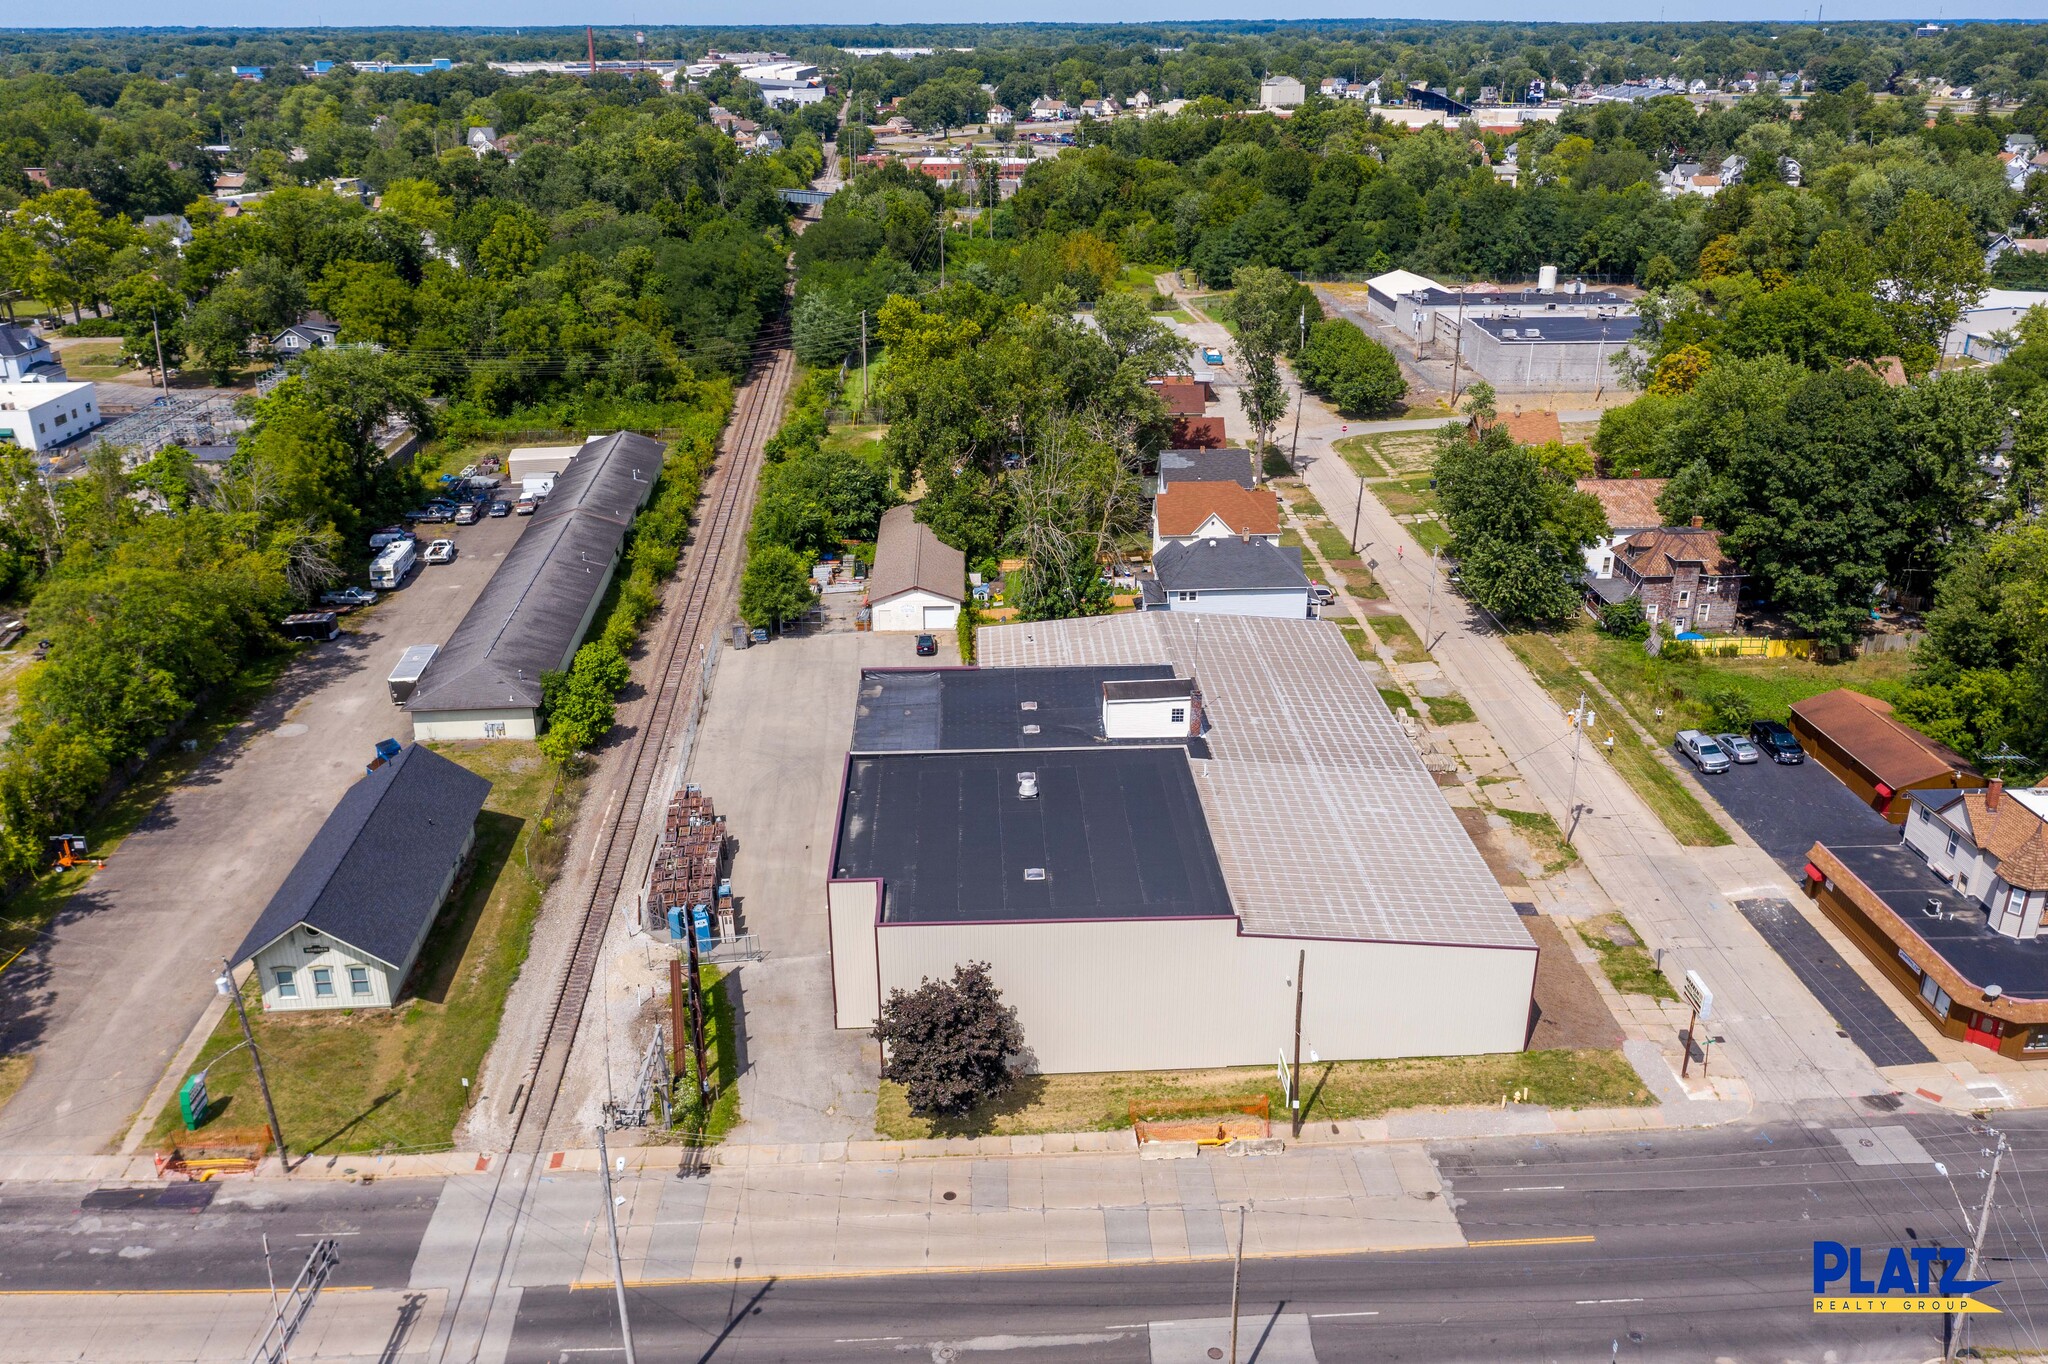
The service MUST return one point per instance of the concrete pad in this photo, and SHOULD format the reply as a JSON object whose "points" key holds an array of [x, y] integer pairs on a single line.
{"points": [[678, 1226], [1281, 1338], [1128, 1233], [443, 1258], [563, 1225]]}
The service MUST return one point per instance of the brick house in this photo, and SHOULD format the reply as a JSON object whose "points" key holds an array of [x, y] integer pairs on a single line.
{"points": [[1681, 574]]}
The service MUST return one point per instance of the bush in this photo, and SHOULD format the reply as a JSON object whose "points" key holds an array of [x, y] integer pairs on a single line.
{"points": [[1730, 710], [949, 1043], [1624, 619], [1349, 368], [775, 587]]}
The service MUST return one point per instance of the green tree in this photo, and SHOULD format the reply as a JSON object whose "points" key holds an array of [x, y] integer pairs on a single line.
{"points": [[1516, 531], [950, 1044], [1346, 366], [1930, 266], [776, 587]]}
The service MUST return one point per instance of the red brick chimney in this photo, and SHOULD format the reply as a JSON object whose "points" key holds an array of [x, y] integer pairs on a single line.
{"points": [[1698, 522], [1992, 792]]}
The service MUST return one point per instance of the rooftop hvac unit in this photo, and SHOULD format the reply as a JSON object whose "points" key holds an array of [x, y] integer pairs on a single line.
{"points": [[1508, 333], [1027, 786]]}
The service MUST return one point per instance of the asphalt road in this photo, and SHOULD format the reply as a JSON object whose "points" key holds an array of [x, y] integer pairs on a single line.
{"points": [[1676, 1246], [72, 1238]]}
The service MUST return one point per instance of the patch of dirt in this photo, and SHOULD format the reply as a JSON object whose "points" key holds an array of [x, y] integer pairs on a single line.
{"points": [[1568, 1011], [1500, 855]]}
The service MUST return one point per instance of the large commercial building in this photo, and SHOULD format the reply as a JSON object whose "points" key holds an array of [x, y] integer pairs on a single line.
{"points": [[1553, 355], [40, 416], [1146, 824], [1429, 313], [533, 613]]}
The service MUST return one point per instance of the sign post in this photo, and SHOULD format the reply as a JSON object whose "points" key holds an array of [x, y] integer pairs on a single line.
{"points": [[1702, 1001]]}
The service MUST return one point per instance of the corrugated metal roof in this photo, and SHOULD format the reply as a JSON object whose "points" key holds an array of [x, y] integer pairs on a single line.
{"points": [[372, 876], [1325, 820], [525, 621]]}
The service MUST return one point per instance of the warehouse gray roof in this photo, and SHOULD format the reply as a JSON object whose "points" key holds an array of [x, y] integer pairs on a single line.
{"points": [[372, 876], [927, 709], [1326, 823], [1206, 466], [527, 619], [1511, 331], [1228, 565], [1113, 833]]}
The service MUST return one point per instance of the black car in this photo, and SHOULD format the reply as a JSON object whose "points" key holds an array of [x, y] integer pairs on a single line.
{"points": [[1781, 743], [926, 646]]}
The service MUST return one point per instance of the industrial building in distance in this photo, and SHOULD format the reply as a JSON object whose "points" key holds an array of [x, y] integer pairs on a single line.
{"points": [[533, 613], [1146, 824]]}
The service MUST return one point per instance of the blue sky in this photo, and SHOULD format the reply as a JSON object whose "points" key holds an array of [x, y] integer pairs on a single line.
{"points": [[92, 13]]}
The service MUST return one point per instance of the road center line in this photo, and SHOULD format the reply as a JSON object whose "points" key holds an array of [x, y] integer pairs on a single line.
{"points": [[864, 1340], [1532, 1188], [1603, 1302], [1331, 1316]]}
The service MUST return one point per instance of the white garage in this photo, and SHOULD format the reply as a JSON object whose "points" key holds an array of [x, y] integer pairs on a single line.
{"points": [[919, 580]]}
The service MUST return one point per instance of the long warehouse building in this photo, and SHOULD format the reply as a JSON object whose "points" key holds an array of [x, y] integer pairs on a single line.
{"points": [[1142, 822], [533, 613]]}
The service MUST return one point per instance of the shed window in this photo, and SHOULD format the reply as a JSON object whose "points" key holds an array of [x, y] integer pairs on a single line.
{"points": [[1180, 715], [359, 980], [323, 982], [287, 983], [2037, 1040]]}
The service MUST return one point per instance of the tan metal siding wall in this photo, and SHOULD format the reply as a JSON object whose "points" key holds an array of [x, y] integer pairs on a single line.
{"points": [[1187, 994], [850, 907]]}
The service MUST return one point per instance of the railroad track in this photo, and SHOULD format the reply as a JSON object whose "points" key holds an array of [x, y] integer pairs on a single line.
{"points": [[684, 626]]}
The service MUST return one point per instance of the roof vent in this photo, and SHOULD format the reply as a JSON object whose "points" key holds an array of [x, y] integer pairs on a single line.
{"points": [[1031, 729], [1030, 705], [1034, 873], [1027, 786], [1508, 332]]}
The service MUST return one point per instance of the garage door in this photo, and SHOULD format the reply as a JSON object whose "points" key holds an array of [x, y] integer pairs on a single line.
{"points": [[939, 617]]}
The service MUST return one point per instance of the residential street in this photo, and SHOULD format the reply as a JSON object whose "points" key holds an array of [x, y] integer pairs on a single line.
{"points": [[1778, 1037]]}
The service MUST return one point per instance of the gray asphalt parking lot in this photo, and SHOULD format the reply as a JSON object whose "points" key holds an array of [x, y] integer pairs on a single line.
{"points": [[105, 999], [1787, 809]]}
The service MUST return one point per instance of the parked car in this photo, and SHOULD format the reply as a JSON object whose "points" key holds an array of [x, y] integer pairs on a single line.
{"points": [[1705, 754], [441, 552], [345, 597], [525, 506], [1781, 743], [1322, 593], [1212, 355], [926, 646], [1737, 747], [467, 514], [501, 508], [383, 537]]}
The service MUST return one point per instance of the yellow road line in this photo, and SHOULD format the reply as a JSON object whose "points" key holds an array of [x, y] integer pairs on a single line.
{"points": [[1058, 1265]]}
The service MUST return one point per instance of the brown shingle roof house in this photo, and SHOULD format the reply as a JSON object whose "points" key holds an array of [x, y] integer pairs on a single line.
{"points": [[1630, 503], [2003, 825], [1183, 397], [1189, 511], [908, 555], [1855, 737], [1198, 433]]}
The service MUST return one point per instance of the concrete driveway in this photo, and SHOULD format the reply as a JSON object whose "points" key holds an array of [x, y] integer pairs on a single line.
{"points": [[106, 999]]}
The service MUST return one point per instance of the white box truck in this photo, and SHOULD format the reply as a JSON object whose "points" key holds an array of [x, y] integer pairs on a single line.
{"points": [[393, 562], [406, 675]]}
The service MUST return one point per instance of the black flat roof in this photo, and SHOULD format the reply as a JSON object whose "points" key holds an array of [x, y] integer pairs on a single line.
{"points": [[1555, 327], [1960, 934], [1117, 833], [951, 709]]}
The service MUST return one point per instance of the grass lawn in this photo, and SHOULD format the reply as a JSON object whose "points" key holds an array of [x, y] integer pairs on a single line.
{"points": [[13, 1075], [1362, 454], [1396, 699], [29, 913], [1450, 710], [1334, 1090], [1680, 685], [1180, 315], [1331, 544], [1304, 501], [1355, 636], [859, 439], [1543, 836], [1631, 969], [1657, 784], [1396, 630], [723, 1063], [102, 361], [1397, 454], [391, 1080], [1211, 306], [1431, 535], [1406, 496]]}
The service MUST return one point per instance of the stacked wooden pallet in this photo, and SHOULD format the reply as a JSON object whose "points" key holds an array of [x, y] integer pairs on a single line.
{"points": [[687, 864]]}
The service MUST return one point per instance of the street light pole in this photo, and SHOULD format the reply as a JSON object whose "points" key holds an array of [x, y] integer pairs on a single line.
{"points": [[1236, 1275], [1959, 1322], [1457, 345], [1429, 617], [1294, 1099], [1571, 805], [226, 985], [611, 1218], [163, 375]]}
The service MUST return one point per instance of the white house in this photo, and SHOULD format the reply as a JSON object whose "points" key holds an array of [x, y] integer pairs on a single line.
{"points": [[1990, 844], [1047, 109], [919, 581], [1000, 115], [1281, 92], [344, 929], [26, 358], [40, 416], [1228, 576]]}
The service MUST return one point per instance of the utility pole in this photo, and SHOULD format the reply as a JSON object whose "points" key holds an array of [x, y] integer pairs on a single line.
{"points": [[863, 364], [1358, 519], [163, 375], [1429, 617], [1294, 1099], [1236, 1275], [1457, 345], [1571, 805], [611, 1218], [1959, 1322], [1294, 446], [226, 985]]}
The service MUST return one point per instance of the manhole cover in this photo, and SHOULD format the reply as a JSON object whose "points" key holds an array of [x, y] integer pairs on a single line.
{"points": [[1215, 1352], [950, 1195]]}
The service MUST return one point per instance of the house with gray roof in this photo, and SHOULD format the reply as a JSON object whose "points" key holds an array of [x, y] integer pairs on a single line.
{"points": [[1206, 466], [533, 613], [26, 358], [345, 928], [919, 580], [1228, 576]]}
